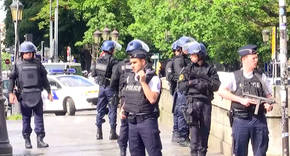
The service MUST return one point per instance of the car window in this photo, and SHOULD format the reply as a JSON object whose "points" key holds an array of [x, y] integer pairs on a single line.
{"points": [[74, 81], [5, 84]]}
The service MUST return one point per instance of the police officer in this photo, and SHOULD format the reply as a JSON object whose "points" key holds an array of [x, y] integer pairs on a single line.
{"points": [[180, 61], [246, 124], [102, 74], [28, 76], [141, 102], [198, 80], [172, 79], [118, 82]]}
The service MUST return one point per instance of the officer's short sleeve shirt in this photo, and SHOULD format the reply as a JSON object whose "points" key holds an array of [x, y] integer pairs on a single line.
{"points": [[155, 84], [229, 81]]}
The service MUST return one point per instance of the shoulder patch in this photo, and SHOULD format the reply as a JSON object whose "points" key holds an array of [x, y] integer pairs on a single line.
{"points": [[181, 77]]}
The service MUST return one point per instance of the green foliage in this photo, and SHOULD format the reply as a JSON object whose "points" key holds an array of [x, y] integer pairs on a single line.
{"points": [[223, 25], [4, 57], [27, 25], [15, 117]]}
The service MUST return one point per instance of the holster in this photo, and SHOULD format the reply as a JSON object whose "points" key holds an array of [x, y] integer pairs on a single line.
{"points": [[174, 101], [230, 115], [132, 119], [114, 100], [191, 113], [18, 95]]}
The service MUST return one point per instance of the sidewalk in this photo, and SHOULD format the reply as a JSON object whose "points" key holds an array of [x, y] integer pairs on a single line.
{"points": [[75, 136]]}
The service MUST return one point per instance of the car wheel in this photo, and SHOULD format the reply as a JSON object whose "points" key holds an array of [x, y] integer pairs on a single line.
{"points": [[70, 106]]}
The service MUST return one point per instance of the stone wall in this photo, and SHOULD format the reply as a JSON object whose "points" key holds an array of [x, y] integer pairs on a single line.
{"points": [[220, 139]]}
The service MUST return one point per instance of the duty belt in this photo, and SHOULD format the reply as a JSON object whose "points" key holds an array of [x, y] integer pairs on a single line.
{"points": [[245, 114], [138, 118]]}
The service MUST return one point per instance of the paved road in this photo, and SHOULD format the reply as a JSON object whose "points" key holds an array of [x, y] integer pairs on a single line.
{"points": [[75, 136]]}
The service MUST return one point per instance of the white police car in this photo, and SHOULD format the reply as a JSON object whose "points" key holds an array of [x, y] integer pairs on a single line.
{"points": [[70, 94]]}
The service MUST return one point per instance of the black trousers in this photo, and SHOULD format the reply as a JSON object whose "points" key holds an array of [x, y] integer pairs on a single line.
{"points": [[200, 132]]}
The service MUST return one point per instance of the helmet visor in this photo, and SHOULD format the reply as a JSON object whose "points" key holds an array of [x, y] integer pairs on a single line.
{"points": [[145, 47], [118, 46], [192, 47]]}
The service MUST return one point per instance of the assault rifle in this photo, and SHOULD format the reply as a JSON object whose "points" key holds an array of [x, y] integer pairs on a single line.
{"points": [[259, 100]]}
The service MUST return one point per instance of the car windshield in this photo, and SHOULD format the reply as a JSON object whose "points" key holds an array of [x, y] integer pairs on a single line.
{"points": [[74, 81]]}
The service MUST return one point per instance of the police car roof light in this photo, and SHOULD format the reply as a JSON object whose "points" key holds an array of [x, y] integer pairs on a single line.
{"points": [[62, 71]]}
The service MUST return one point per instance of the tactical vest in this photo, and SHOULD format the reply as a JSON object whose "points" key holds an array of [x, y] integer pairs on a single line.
{"points": [[104, 70], [126, 69], [250, 86], [28, 74], [194, 92], [135, 100], [179, 62], [169, 72], [29, 81]]}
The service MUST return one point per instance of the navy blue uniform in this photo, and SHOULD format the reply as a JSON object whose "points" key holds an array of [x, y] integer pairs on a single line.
{"points": [[29, 93], [102, 76], [247, 125], [118, 82], [142, 118], [199, 83], [180, 127]]}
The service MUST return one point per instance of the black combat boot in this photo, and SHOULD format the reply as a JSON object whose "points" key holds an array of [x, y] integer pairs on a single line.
{"points": [[184, 142], [193, 154], [99, 133], [40, 142], [113, 134], [201, 153], [123, 151], [175, 137], [27, 142]]}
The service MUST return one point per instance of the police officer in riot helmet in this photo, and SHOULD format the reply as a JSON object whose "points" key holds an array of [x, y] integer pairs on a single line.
{"points": [[246, 125], [179, 62], [118, 83], [27, 80], [142, 93], [171, 77], [102, 74], [169, 71], [198, 80]]}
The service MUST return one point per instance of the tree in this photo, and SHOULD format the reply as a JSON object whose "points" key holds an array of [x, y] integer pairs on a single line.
{"points": [[27, 25], [87, 16], [224, 25], [70, 26]]}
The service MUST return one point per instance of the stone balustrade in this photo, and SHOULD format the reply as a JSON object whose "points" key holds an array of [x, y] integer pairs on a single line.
{"points": [[220, 139]]}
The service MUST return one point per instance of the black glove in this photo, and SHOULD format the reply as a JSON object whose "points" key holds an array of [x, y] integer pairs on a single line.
{"points": [[201, 85]]}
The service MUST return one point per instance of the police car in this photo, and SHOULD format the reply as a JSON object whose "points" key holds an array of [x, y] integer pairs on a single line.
{"points": [[70, 94]]}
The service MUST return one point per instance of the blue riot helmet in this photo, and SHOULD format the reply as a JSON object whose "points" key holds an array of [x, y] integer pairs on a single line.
{"points": [[110, 46], [137, 45], [174, 46], [183, 40], [196, 48], [27, 47], [203, 49]]}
